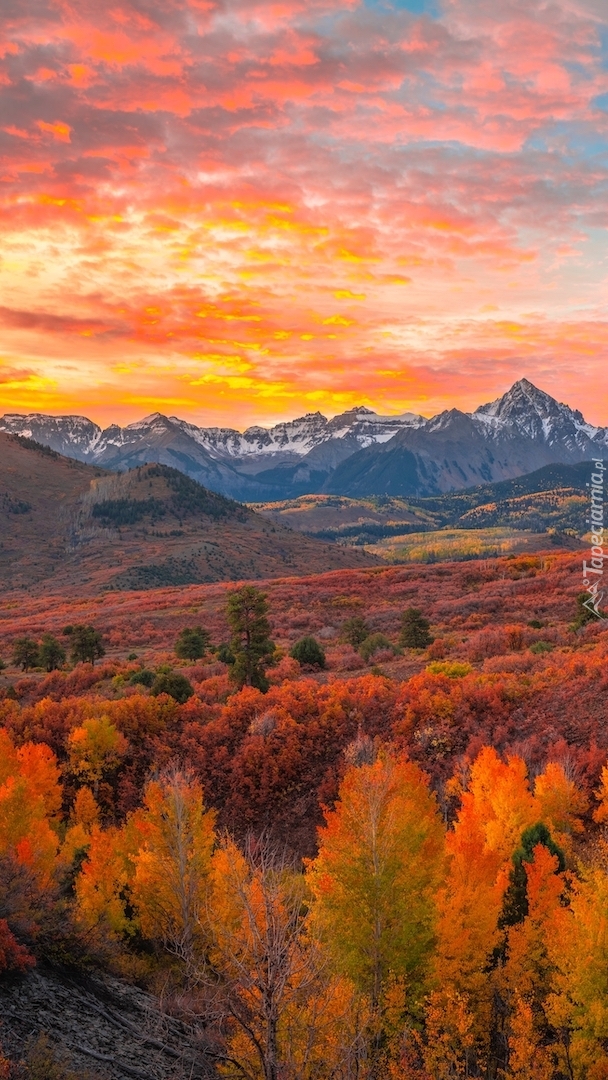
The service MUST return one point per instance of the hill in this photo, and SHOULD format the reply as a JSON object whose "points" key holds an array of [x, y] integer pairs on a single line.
{"points": [[66, 524], [551, 499], [347, 521]]}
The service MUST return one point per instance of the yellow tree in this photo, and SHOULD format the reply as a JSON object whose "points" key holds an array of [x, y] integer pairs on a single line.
{"points": [[496, 809], [533, 908], [95, 748], [459, 1011], [560, 804], [380, 861], [528, 1058], [30, 796], [103, 883], [175, 836], [601, 812], [578, 1005], [285, 1014]]}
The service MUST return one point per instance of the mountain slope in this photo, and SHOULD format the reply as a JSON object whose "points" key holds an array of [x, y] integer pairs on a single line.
{"points": [[65, 523], [517, 434], [257, 464]]}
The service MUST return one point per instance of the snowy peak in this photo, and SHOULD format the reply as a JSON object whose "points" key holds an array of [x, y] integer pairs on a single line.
{"points": [[524, 402], [299, 436], [533, 413], [523, 397], [519, 432], [74, 436]]}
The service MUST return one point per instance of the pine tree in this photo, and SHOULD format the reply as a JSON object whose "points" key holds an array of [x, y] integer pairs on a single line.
{"points": [[86, 643], [52, 653], [192, 643], [415, 630], [25, 653], [354, 631], [247, 612]]}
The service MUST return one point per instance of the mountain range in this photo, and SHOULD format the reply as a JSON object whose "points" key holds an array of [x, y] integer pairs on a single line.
{"points": [[357, 453]]}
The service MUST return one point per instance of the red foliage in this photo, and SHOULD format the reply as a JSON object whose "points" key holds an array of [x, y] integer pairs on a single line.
{"points": [[13, 956], [270, 761]]}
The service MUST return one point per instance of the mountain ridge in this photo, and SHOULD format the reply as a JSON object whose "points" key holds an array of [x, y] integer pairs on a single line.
{"points": [[355, 453]]}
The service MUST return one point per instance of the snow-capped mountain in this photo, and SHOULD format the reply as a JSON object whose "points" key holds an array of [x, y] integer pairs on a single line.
{"points": [[536, 414], [296, 453], [74, 436], [516, 434], [355, 453]]}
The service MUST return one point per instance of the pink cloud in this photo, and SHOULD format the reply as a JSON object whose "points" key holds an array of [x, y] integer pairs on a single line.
{"points": [[267, 161]]}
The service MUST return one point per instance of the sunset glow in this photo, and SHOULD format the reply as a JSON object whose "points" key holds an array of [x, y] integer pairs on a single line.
{"points": [[239, 211]]}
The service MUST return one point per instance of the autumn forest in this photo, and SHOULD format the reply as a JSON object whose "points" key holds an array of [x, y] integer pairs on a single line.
{"points": [[346, 826]]}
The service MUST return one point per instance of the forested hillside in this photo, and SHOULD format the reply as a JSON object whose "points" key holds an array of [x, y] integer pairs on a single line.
{"points": [[349, 825]]}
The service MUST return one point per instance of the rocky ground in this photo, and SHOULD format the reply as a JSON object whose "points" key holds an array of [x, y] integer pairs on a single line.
{"points": [[100, 1027]]}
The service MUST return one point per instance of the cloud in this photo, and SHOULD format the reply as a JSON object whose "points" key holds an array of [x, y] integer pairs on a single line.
{"points": [[259, 181]]}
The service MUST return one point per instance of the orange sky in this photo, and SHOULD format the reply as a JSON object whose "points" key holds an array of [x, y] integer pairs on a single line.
{"points": [[239, 211]]}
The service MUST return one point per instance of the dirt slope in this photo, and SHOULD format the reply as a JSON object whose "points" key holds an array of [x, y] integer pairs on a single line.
{"points": [[100, 1027]]}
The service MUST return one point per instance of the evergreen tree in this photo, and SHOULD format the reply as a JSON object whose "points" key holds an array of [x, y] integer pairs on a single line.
{"points": [[192, 643], [86, 643], [584, 614], [25, 653], [52, 653], [247, 612], [515, 903], [354, 631], [415, 630], [225, 653]]}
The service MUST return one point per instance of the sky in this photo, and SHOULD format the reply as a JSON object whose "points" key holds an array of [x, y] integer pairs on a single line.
{"points": [[240, 211]]}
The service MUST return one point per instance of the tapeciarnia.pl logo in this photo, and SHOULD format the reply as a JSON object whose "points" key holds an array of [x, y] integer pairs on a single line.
{"points": [[593, 571]]}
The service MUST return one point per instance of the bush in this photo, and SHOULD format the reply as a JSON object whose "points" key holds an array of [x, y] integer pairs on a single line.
{"points": [[542, 647], [145, 677], [415, 630], [454, 669], [44, 1062], [308, 653], [171, 682], [225, 654], [192, 643], [13, 956], [373, 644]]}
